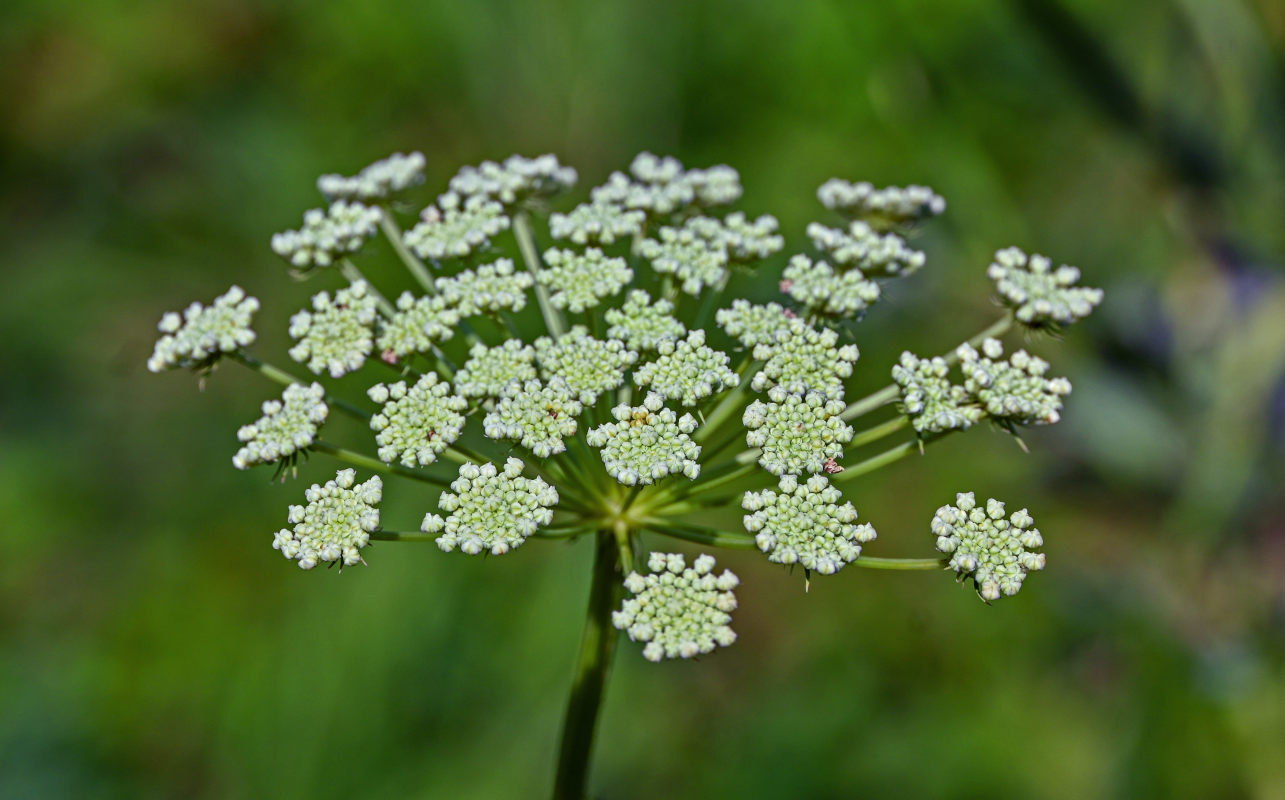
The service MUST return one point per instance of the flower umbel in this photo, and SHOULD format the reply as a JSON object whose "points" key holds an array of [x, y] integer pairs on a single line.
{"points": [[335, 524], [995, 551], [491, 510], [797, 433], [287, 426], [337, 335], [804, 523], [679, 611], [201, 334], [416, 423], [647, 443]]}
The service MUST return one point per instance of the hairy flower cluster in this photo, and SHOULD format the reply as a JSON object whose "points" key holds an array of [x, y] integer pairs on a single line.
{"points": [[1040, 295], [416, 423], [803, 359], [805, 523], [336, 336], [417, 324], [327, 235], [862, 247], [379, 181], [692, 259], [1013, 391], [491, 510], [821, 290], [996, 552], [201, 334], [687, 370], [287, 426], [335, 525], [490, 369], [753, 325], [515, 181], [456, 227], [796, 433], [589, 366], [641, 324], [597, 223], [929, 399], [679, 611], [662, 187], [647, 443], [490, 288], [536, 415], [745, 240], [881, 208], [581, 280]]}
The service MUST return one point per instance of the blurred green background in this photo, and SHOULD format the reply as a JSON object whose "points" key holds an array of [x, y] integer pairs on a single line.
{"points": [[153, 645]]}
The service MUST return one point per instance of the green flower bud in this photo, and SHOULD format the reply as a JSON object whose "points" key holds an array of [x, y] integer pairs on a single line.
{"points": [[536, 415], [1041, 296], [881, 208], [196, 339], [490, 369], [1013, 391], [379, 181], [488, 289], [642, 325], [687, 371], [580, 280], [456, 227], [588, 365], [491, 510], [818, 288], [597, 223], [862, 247], [417, 423], [327, 235], [929, 399], [287, 426], [647, 443], [679, 611], [796, 432], [995, 552], [335, 525], [337, 335], [806, 524], [417, 324]]}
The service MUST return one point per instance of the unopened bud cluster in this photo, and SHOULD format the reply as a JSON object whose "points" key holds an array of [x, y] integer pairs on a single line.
{"points": [[995, 550], [287, 426], [1039, 294], [687, 371], [676, 610], [796, 433], [882, 208], [202, 333], [327, 234], [647, 443], [337, 335], [335, 524], [490, 510], [378, 181], [807, 524], [418, 422]]}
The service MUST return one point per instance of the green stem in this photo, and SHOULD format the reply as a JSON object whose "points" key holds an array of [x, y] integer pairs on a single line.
{"points": [[413, 264], [375, 465], [350, 271], [401, 536], [876, 462], [286, 379], [871, 562], [597, 643], [878, 432], [890, 392], [701, 535], [726, 408], [526, 243]]}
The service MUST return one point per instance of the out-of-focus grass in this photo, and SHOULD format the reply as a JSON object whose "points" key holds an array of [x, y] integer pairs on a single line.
{"points": [[154, 645]]}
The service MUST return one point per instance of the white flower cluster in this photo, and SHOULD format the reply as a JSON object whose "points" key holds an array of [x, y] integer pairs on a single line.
{"points": [[417, 324], [744, 239], [203, 333], [996, 552], [804, 359], [929, 399], [456, 227], [641, 324], [1014, 391], [823, 291], [862, 247], [336, 336], [1040, 295], [490, 369], [417, 423], [287, 426], [597, 223], [661, 186], [491, 510], [327, 235], [515, 181], [679, 611], [796, 433], [806, 524], [687, 371], [379, 181], [536, 415], [647, 443], [580, 280], [752, 324], [490, 288], [692, 259], [336, 523], [882, 208], [589, 366]]}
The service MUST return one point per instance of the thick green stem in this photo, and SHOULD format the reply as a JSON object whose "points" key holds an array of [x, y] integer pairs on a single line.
{"points": [[413, 264], [597, 643], [375, 465], [526, 243]]}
